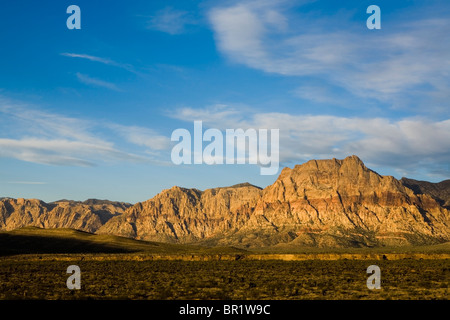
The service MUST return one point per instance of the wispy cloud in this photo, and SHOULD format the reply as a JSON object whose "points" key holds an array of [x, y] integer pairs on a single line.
{"points": [[170, 21], [96, 82], [24, 119], [404, 65], [405, 145], [33, 135], [221, 115], [28, 182], [106, 61], [61, 152], [89, 57], [141, 136]]}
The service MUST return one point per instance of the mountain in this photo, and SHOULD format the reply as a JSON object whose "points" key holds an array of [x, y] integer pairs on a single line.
{"points": [[85, 216], [439, 191], [187, 215], [322, 203], [343, 203]]}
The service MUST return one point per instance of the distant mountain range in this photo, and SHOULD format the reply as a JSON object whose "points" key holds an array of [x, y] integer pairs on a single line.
{"points": [[322, 203]]}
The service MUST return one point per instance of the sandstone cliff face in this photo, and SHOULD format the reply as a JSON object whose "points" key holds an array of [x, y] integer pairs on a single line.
{"points": [[187, 215], [16, 213], [343, 203], [326, 203], [320, 203]]}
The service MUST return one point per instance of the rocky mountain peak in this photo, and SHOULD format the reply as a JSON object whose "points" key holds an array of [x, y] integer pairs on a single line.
{"points": [[334, 203], [350, 168], [329, 178]]}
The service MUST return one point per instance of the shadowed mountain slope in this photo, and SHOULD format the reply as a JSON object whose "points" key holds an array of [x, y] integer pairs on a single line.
{"points": [[439, 191]]}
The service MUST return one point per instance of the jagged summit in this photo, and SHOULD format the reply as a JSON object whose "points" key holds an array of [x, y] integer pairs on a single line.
{"points": [[90, 202], [351, 164], [321, 163], [242, 185], [320, 203], [327, 165], [333, 203], [239, 185]]}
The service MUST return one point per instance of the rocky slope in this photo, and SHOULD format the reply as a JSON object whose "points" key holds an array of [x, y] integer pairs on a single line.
{"points": [[320, 203], [325, 203], [187, 215], [343, 203], [439, 191], [86, 216]]}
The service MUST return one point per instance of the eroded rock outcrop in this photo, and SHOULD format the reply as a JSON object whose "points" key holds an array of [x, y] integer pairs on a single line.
{"points": [[343, 203], [86, 216], [187, 215], [325, 203]]}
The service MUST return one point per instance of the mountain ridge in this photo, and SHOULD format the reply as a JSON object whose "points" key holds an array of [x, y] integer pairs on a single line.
{"points": [[321, 203], [439, 190]]}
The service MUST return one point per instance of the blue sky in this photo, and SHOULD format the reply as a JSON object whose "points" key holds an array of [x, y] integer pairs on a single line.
{"points": [[89, 113]]}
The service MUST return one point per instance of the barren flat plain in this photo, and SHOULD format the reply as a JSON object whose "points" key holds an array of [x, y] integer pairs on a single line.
{"points": [[33, 265]]}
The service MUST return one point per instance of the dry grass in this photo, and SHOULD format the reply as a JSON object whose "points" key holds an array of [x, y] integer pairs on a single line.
{"points": [[242, 279], [35, 261]]}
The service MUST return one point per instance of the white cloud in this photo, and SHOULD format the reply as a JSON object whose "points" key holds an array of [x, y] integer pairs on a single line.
{"points": [[54, 152], [405, 144], [44, 124], [100, 60], [219, 115], [396, 65], [239, 33], [323, 95], [143, 137], [62, 152], [88, 57], [36, 136], [170, 21], [96, 82]]}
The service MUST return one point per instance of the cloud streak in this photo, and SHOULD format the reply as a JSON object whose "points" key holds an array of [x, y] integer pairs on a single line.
{"points": [[405, 145], [106, 61], [404, 65], [63, 152], [37, 136], [96, 82], [170, 21], [27, 182], [142, 136]]}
